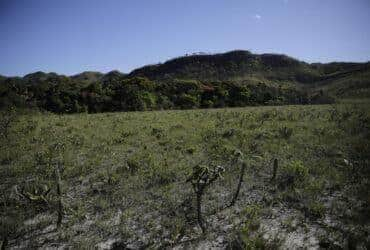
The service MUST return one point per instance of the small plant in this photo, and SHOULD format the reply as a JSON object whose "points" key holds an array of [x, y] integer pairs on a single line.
{"points": [[58, 183], [229, 133], [264, 117], [190, 150], [248, 237], [245, 241], [201, 178], [251, 212], [49, 167], [35, 194], [7, 119], [157, 132], [274, 170], [238, 156], [241, 177], [315, 209], [30, 126], [76, 139], [285, 132], [293, 173], [133, 164]]}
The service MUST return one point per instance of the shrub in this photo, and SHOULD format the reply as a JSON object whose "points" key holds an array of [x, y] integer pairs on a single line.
{"points": [[315, 209], [187, 101], [285, 132], [7, 119], [201, 178], [248, 236], [293, 174]]}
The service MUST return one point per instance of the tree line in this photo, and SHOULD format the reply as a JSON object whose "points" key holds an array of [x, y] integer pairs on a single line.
{"points": [[65, 95]]}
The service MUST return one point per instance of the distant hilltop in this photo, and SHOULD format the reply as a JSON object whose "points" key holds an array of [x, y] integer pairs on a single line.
{"points": [[237, 64]]}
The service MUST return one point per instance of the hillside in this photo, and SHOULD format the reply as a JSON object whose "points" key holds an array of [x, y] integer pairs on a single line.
{"points": [[350, 81], [233, 65], [230, 66], [235, 78], [244, 66]]}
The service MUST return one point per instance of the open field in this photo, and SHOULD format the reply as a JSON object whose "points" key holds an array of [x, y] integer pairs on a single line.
{"points": [[123, 178]]}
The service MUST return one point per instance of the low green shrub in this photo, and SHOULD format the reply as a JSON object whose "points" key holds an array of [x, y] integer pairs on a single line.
{"points": [[293, 174]]}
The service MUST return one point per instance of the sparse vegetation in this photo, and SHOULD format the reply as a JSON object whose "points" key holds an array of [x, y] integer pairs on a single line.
{"points": [[123, 177]]}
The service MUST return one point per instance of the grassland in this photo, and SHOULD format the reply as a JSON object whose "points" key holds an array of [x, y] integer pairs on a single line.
{"points": [[123, 178]]}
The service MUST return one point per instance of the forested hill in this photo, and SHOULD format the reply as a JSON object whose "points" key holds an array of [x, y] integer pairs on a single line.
{"points": [[235, 78], [239, 64], [230, 66]]}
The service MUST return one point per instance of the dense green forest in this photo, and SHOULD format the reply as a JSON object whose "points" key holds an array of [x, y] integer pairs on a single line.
{"points": [[232, 79]]}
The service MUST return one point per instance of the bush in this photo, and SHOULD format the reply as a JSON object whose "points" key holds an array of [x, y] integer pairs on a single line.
{"points": [[187, 101], [285, 132], [293, 174], [316, 209], [8, 117]]}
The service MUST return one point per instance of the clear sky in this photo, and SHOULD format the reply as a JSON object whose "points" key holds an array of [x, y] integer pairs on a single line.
{"points": [[71, 36]]}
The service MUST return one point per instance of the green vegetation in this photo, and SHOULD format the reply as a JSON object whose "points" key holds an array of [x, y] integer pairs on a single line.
{"points": [[66, 95], [240, 178], [122, 177], [232, 79]]}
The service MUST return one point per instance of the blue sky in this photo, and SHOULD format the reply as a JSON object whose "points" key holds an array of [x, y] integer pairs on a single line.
{"points": [[71, 36]]}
